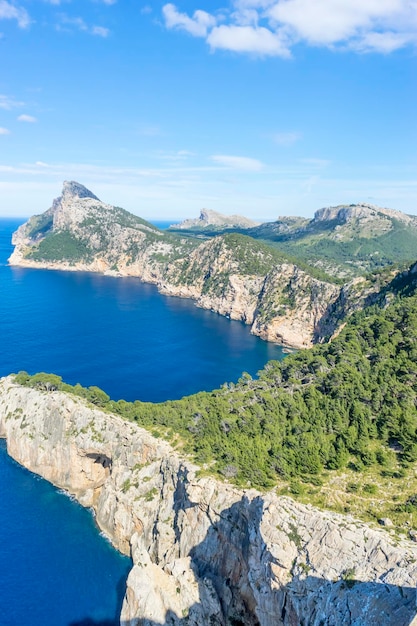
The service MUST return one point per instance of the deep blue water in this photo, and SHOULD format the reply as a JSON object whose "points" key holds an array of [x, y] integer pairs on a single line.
{"points": [[55, 569], [119, 334]]}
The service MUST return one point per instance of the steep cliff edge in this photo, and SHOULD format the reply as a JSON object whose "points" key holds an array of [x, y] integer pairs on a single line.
{"points": [[205, 552]]}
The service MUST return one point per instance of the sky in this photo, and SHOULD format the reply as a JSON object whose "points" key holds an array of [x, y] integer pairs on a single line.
{"points": [[258, 107]]}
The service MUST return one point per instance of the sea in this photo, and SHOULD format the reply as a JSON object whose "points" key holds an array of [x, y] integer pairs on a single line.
{"points": [[134, 343]]}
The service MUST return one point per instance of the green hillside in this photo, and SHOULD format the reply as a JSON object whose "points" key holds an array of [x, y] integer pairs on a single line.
{"points": [[348, 406]]}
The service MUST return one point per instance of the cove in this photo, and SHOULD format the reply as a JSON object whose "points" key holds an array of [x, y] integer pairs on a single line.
{"points": [[123, 336], [118, 333]]}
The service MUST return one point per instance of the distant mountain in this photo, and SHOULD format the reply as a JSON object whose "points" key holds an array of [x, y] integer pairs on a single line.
{"points": [[231, 274], [214, 222], [346, 240]]}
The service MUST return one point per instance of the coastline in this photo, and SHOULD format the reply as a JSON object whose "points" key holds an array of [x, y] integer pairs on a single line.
{"points": [[293, 332], [203, 549]]}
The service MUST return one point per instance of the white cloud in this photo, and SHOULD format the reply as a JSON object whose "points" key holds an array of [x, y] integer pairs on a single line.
{"points": [[238, 162], [382, 42], [197, 25], [4, 131], [255, 40], [7, 103], [326, 22], [67, 23], [286, 139], [27, 118], [9, 11], [273, 27], [100, 31], [175, 156]]}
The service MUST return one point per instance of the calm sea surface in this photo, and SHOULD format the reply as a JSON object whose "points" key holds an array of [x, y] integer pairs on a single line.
{"points": [[124, 337]]}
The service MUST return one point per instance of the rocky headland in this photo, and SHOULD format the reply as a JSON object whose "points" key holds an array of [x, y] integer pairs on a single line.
{"points": [[205, 552], [234, 275]]}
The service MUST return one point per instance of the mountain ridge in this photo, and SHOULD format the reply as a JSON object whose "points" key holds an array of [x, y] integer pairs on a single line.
{"points": [[283, 299], [212, 220]]}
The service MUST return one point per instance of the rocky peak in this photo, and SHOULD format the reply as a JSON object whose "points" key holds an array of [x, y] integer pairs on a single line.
{"points": [[72, 189], [210, 218], [363, 211], [74, 204]]}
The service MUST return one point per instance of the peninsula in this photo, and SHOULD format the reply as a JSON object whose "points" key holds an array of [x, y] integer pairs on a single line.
{"points": [[283, 298]]}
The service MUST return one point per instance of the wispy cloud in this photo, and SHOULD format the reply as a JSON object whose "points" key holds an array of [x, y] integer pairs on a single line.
{"points": [[100, 31], [238, 162], [256, 40], [11, 11], [197, 25], [175, 156], [8, 103], [294, 188], [67, 23], [27, 118], [4, 131], [286, 138], [274, 27]]}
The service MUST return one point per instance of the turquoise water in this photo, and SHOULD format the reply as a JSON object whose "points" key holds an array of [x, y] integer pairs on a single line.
{"points": [[119, 334]]}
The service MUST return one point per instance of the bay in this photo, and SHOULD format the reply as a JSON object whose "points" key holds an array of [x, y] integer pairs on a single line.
{"points": [[123, 336], [117, 333]]}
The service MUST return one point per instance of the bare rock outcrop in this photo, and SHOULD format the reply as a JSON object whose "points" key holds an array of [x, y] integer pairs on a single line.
{"points": [[209, 219], [205, 552]]}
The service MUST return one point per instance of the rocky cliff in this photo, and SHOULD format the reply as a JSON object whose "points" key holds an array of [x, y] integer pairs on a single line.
{"points": [[204, 552], [233, 275], [346, 240]]}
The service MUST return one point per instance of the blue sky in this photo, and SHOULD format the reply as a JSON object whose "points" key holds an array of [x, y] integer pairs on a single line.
{"points": [[258, 107]]}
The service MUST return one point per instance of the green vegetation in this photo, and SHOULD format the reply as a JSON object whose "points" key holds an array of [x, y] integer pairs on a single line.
{"points": [[240, 254], [335, 425], [39, 225], [61, 246], [361, 254], [350, 402]]}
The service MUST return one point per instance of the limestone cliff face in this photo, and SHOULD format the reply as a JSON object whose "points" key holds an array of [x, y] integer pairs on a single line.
{"points": [[204, 552], [230, 274], [209, 219]]}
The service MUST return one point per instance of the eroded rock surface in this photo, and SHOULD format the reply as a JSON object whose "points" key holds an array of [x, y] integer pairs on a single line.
{"points": [[205, 552]]}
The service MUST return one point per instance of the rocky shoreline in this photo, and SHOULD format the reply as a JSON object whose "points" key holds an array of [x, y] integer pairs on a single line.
{"points": [[205, 552]]}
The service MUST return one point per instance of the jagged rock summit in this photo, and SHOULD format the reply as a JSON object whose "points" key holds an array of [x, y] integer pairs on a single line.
{"points": [[363, 211], [72, 189], [212, 220]]}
